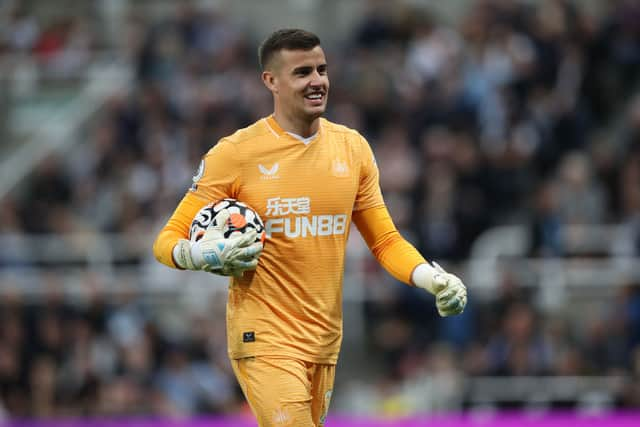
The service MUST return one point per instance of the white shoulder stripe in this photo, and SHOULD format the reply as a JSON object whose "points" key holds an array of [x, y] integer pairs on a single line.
{"points": [[270, 128]]}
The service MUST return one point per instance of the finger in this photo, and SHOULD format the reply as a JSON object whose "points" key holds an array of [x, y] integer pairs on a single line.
{"points": [[212, 233], [244, 265], [246, 239], [250, 252], [460, 290], [438, 268], [452, 312], [447, 313], [455, 282], [443, 311], [254, 250], [214, 270], [228, 271], [448, 306], [221, 220], [452, 304], [456, 309], [445, 295], [464, 301], [222, 272], [245, 253], [439, 283]]}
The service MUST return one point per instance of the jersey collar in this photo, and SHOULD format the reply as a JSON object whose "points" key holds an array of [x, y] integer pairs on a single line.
{"points": [[275, 128]]}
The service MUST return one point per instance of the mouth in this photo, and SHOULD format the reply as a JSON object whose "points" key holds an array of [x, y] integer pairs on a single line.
{"points": [[315, 98]]}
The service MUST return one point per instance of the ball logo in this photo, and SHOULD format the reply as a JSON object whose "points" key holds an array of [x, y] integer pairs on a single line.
{"points": [[236, 221], [239, 219]]}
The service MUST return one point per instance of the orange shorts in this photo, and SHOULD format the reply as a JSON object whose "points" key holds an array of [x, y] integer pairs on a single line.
{"points": [[285, 392]]}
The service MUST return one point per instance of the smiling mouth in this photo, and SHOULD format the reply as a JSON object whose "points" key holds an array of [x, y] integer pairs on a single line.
{"points": [[316, 96]]}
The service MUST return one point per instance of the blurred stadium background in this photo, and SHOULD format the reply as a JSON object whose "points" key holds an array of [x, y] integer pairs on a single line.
{"points": [[508, 138]]}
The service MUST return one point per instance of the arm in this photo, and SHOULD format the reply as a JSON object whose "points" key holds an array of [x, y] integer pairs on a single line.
{"points": [[217, 178], [177, 228], [405, 263], [213, 252], [392, 251]]}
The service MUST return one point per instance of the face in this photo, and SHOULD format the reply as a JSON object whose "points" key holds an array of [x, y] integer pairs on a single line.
{"points": [[299, 82]]}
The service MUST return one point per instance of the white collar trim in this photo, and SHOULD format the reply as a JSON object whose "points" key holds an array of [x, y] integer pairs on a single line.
{"points": [[302, 139]]}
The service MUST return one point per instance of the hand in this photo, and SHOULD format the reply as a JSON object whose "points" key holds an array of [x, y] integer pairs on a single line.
{"points": [[217, 254], [450, 292], [235, 268], [231, 271]]}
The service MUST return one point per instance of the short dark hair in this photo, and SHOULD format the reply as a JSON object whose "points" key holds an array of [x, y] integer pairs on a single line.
{"points": [[289, 39]]}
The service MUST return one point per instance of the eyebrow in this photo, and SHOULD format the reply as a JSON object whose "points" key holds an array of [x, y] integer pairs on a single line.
{"points": [[307, 68]]}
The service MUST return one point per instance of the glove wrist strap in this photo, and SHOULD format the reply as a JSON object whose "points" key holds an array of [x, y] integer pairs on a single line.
{"points": [[196, 255], [181, 256], [423, 276]]}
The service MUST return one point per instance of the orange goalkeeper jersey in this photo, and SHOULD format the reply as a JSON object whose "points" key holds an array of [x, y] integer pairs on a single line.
{"points": [[306, 194]]}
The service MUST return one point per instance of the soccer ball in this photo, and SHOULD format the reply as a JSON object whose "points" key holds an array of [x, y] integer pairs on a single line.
{"points": [[242, 218]]}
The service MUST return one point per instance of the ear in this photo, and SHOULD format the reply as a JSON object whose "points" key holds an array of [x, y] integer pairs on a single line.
{"points": [[269, 81]]}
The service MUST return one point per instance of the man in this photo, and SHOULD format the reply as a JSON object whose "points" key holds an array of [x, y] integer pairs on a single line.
{"points": [[309, 179]]}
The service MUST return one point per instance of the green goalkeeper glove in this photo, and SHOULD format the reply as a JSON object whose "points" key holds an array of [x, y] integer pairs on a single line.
{"points": [[450, 292], [216, 254]]}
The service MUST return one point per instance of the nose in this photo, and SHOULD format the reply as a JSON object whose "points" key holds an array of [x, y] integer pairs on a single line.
{"points": [[317, 79]]}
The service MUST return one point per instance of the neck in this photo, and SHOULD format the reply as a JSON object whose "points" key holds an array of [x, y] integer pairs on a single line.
{"points": [[302, 127]]}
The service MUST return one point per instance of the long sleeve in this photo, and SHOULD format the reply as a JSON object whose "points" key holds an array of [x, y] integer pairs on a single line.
{"points": [[216, 178], [392, 251], [176, 228]]}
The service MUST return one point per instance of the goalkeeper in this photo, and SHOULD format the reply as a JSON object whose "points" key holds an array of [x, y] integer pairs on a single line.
{"points": [[309, 179]]}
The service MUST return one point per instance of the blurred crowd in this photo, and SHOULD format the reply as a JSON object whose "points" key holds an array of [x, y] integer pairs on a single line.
{"points": [[100, 355], [59, 47], [522, 112]]}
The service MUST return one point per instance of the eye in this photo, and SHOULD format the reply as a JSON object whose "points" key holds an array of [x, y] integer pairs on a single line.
{"points": [[302, 71]]}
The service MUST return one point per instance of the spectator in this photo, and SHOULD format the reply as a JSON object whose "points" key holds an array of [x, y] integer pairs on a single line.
{"points": [[486, 123]]}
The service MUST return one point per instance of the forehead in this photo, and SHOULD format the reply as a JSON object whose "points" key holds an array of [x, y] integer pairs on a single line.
{"points": [[297, 58]]}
